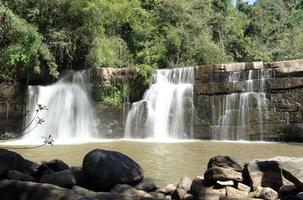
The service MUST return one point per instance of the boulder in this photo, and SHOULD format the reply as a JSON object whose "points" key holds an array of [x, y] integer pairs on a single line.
{"points": [[290, 177], [299, 196], [181, 194], [13, 161], [105, 195], [288, 192], [185, 184], [201, 192], [65, 178], [147, 186], [268, 173], [105, 169], [130, 191], [243, 187], [14, 174], [80, 177], [264, 193], [158, 195], [234, 193], [225, 162], [14, 189], [222, 174], [168, 189], [52, 166]]}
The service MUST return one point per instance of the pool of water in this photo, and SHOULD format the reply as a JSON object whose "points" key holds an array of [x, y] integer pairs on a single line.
{"points": [[165, 162]]}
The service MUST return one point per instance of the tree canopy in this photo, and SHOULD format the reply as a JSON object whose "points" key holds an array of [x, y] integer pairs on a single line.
{"points": [[57, 35]]}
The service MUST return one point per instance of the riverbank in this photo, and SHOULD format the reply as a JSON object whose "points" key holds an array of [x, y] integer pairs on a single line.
{"points": [[108, 174]]}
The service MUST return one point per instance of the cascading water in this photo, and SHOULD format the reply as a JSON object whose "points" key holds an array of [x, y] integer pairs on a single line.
{"points": [[166, 110], [69, 115], [243, 109]]}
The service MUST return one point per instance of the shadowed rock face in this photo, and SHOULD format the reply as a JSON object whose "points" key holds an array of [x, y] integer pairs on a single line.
{"points": [[108, 168], [271, 93]]}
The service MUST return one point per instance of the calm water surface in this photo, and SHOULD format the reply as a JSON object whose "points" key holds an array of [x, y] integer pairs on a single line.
{"points": [[167, 162]]}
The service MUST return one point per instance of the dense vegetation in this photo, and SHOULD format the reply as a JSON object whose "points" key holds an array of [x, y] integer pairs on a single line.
{"points": [[51, 36]]}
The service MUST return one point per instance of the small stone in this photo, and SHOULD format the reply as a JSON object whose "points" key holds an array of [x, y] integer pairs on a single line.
{"points": [[185, 183], [168, 189], [179, 194], [226, 183], [222, 174]]}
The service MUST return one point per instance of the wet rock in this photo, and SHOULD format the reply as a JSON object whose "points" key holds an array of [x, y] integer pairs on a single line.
{"points": [[104, 195], [264, 193], [65, 178], [181, 194], [168, 189], [185, 184], [299, 196], [105, 169], [80, 177], [289, 176], [267, 173], [243, 187], [146, 186], [158, 195], [13, 161], [288, 192], [234, 193], [14, 174], [222, 174], [128, 190], [202, 192], [225, 162], [13, 189]]}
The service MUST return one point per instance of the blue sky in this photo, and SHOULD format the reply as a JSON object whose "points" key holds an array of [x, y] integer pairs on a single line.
{"points": [[250, 1]]}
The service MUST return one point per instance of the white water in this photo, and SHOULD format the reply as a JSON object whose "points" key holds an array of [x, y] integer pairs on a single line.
{"points": [[69, 116], [237, 115], [166, 110]]}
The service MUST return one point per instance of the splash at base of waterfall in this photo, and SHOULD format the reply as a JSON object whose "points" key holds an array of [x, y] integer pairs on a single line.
{"points": [[166, 110], [69, 116]]}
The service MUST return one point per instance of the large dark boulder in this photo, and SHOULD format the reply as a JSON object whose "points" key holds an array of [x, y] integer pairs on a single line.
{"points": [[268, 173], [65, 178], [52, 166], [14, 174], [22, 190], [104, 169], [225, 162], [10, 160]]}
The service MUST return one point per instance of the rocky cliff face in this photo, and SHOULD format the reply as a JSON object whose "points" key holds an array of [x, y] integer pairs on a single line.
{"points": [[250, 101], [12, 107]]}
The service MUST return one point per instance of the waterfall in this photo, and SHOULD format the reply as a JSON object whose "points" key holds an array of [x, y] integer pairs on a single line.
{"points": [[69, 113], [166, 110], [243, 110]]}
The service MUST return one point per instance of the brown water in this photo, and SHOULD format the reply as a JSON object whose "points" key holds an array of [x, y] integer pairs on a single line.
{"points": [[167, 162]]}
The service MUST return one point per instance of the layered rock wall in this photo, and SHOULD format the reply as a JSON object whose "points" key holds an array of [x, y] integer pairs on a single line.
{"points": [[277, 86]]}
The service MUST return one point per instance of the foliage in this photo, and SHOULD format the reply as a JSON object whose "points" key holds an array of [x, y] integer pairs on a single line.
{"points": [[145, 34], [112, 95]]}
